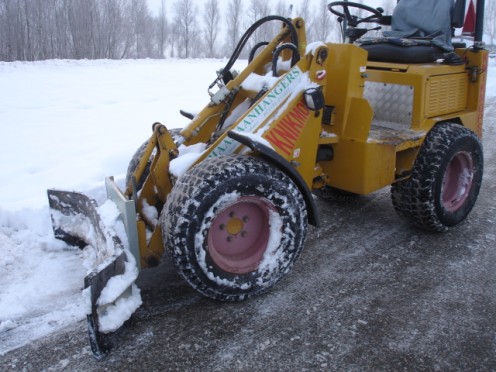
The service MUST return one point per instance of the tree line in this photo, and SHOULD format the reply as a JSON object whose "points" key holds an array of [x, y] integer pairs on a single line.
{"points": [[115, 29], [93, 29]]}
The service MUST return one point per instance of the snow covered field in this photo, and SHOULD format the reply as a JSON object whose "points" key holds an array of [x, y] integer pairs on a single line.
{"points": [[68, 124]]}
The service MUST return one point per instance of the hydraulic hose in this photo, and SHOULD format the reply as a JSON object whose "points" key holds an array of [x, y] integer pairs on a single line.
{"points": [[251, 30], [295, 58], [255, 48]]}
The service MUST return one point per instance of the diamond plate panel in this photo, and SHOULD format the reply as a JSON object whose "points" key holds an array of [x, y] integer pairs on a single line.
{"points": [[391, 103]]}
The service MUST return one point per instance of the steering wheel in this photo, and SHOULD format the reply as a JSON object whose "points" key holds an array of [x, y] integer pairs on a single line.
{"points": [[354, 20]]}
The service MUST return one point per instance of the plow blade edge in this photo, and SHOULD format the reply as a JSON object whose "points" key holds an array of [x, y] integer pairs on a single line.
{"points": [[109, 286]]}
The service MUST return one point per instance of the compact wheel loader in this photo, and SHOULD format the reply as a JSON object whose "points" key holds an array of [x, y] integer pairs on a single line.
{"points": [[230, 195]]}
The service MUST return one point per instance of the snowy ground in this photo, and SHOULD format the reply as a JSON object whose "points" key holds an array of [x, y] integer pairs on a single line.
{"points": [[68, 124]]}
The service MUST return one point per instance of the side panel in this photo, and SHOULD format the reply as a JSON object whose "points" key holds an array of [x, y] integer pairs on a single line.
{"points": [[445, 94], [477, 76], [361, 167], [376, 149], [347, 71]]}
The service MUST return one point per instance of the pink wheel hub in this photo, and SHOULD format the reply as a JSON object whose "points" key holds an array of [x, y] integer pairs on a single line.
{"points": [[239, 235], [457, 181]]}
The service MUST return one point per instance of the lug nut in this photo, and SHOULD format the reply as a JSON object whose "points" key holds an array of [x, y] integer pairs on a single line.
{"points": [[244, 234]]}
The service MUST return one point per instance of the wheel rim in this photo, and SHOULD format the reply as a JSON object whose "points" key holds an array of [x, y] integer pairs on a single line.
{"points": [[239, 235], [457, 181]]}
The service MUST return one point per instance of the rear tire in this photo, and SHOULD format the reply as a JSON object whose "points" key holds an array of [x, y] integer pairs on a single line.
{"points": [[234, 226], [445, 180]]}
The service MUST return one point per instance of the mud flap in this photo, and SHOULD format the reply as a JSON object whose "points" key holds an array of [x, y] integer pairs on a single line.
{"points": [[75, 220]]}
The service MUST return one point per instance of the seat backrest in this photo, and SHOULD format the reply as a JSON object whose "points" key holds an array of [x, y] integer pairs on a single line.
{"points": [[457, 16], [421, 32], [425, 19]]}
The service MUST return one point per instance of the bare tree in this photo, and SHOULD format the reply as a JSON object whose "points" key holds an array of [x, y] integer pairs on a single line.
{"points": [[111, 28], [162, 29], [81, 17], [490, 21], [186, 27], [140, 19], [322, 24], [211, 18], [388, 6], [234, 19], [282, 8], [136, 40], [61, 25], [12, 30], [306, 12], [40, 29], [257, 9]]}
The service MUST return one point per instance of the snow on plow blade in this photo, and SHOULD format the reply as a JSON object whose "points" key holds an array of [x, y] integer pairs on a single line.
{"points": [[109, 286]]}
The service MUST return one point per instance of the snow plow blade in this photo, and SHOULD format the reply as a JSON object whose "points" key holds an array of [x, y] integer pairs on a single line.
{"points": [[109, 285]]}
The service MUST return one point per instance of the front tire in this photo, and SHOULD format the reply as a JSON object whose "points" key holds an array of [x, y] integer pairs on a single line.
{"points": [[234, 226], [445, 180]]}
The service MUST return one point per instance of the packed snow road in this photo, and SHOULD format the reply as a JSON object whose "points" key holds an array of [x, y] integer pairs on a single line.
{"points": [[368, 292]]}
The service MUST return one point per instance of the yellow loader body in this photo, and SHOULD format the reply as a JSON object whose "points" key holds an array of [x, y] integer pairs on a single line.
{"points": [[298, 119]]}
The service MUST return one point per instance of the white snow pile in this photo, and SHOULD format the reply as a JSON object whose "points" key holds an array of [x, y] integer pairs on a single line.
{"points": [[188, 155], [120, 298], [67, 125]]}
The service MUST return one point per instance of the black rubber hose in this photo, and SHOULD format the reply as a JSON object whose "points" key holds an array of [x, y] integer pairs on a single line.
{"points": [[255, 48], [251, 30], [278, 51]]}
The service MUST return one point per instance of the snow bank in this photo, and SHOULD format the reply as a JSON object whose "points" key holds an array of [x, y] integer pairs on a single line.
{"points": [[68, 124], [40, 279]]}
